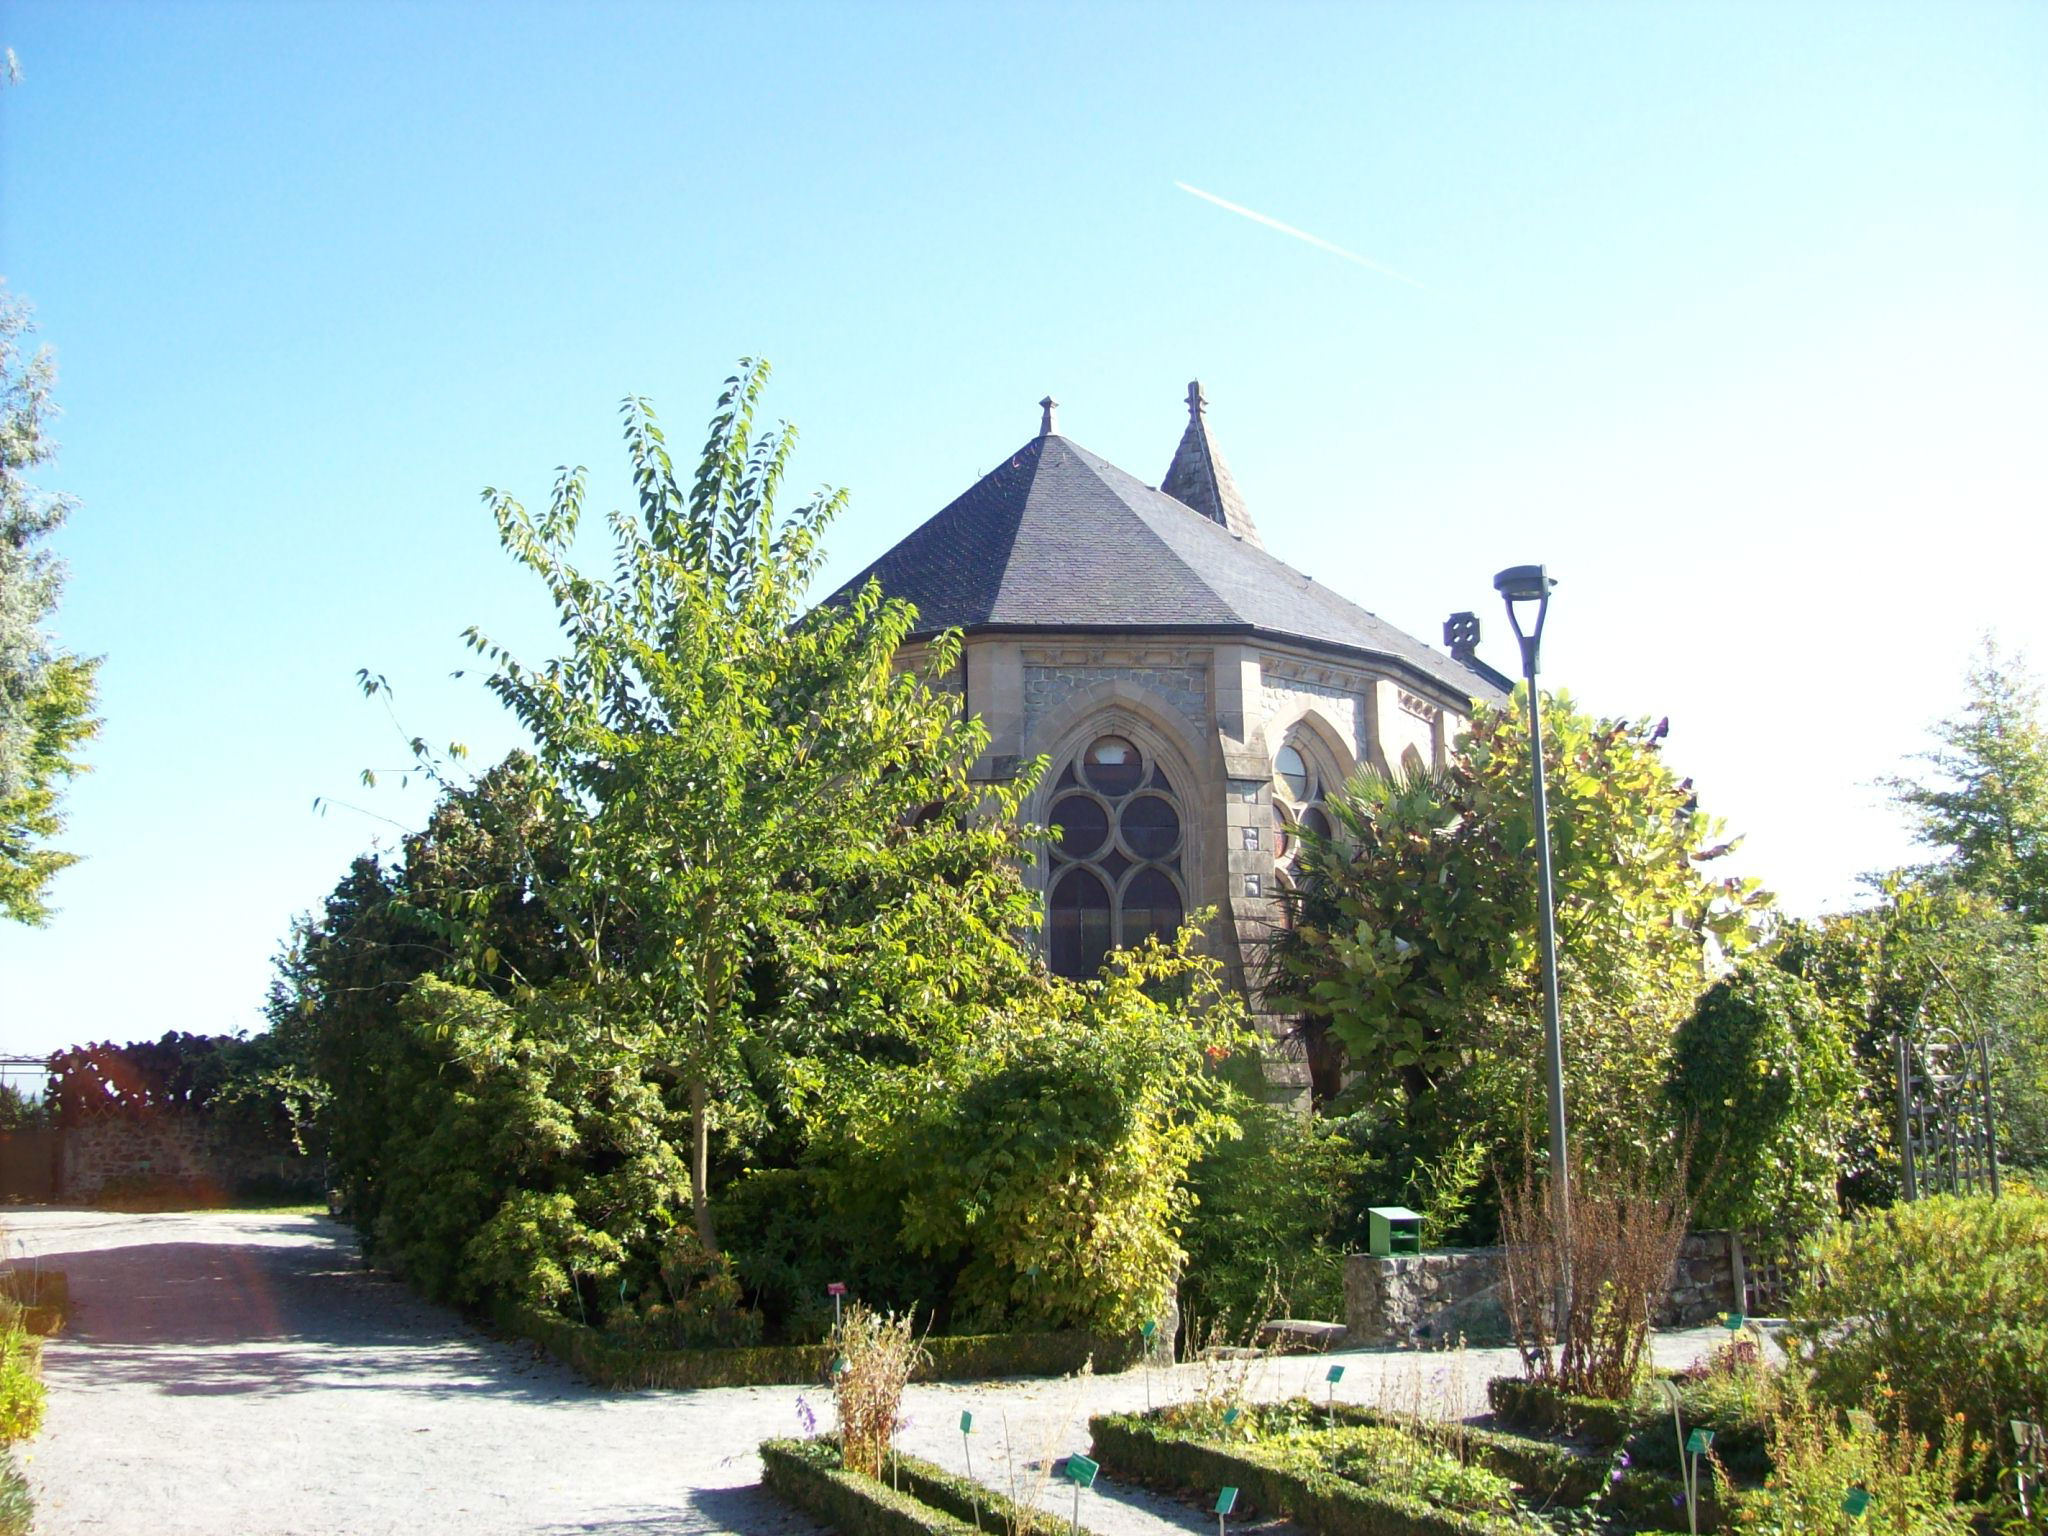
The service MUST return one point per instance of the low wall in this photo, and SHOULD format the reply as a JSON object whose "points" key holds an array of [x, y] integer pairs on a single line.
{"points": [[177, 1149], [1430, 1298]]}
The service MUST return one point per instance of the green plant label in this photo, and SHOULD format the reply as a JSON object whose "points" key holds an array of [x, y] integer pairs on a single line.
{"points": [[1698, 1441], [1230, 1416], [1336, 1375], [1863, 1421], [966, 1422], [1081, 1471], [841, 1366], [1733, 1321], [1150, 1330], [1226, 1500], [1855, 1502]]}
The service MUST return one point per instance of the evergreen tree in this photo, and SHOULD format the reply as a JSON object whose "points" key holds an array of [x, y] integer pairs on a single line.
{"points": [[46, 692], [1986, 798]]}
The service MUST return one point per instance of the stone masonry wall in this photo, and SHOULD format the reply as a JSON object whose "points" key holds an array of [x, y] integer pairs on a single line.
{"points": [[1432, 1297], [1186, 689], [176, 1148]]}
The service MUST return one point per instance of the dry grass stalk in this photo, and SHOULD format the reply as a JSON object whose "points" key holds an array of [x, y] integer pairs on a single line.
{"points": [[877, 1352], [1626, 1226]]}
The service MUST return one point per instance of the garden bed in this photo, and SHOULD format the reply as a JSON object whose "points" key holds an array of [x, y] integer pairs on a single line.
{"points": [[1642, 1427], [1352, 1471], [913, 1498], [611, 1362]]}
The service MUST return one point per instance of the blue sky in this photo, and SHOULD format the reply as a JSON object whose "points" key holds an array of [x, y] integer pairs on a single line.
{"points": [[1734, 314]]}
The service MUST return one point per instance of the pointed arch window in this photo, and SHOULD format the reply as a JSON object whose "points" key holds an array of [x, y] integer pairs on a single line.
{"points": [[1299, 784], [1116, 856]]}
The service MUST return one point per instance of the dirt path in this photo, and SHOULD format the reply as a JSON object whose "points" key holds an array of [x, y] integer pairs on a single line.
{"points": [[242, 1373]]}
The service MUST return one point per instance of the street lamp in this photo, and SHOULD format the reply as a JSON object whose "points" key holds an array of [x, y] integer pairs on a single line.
{"points": [[1520, 585]]}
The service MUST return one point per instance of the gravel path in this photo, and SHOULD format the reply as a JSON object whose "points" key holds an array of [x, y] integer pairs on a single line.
{"points": [[229, 1372]]}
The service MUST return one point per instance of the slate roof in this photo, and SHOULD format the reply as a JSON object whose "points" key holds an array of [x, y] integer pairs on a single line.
{"points": [[1056, 538]]}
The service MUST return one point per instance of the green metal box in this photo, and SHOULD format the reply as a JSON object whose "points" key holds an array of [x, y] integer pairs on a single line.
{"points": [[1392, 1230]]}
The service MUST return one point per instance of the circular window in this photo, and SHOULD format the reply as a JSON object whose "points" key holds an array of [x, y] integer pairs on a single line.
{"points": [[1083, 826], [1315, 821], [1293, 772], [1151, 827], [1283, 830], [1112, 766]]}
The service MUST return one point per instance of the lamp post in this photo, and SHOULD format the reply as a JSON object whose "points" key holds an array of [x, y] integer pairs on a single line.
{"points": [[1519, 585]]}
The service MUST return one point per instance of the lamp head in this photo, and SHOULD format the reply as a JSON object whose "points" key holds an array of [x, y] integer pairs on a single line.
{"points": [[1526, 584], [1523, 583]]}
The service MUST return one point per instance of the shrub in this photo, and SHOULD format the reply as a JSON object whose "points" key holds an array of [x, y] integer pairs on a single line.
{"points": [[1941, 1306], [1623, 1239], [21, 1381], [877, 1353], [1818, 1458], [1764, 1083], [1267, 1226], [17, 1508]]}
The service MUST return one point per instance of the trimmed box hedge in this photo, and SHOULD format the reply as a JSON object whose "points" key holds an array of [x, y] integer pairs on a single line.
{"points": [[1144, 1451], [1546, 1410], [917, 1498], [806, 1475], [609, 1362]]}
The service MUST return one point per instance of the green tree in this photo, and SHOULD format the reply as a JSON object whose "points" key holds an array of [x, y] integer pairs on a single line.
{"points": [[1986, 796], [46, 692], [740, 764], [1415, 933], [1763, 1081], [1930, 960]]}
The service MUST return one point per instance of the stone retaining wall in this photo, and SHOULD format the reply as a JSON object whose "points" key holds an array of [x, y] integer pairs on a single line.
{"points": [[180, 1149], [1433, 1298]]}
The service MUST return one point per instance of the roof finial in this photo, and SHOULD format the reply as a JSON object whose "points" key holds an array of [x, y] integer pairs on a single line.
{"points": [[1049, 423], [1197, 401]]}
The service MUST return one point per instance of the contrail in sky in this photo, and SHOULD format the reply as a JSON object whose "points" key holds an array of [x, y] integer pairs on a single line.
{"points": [[1301, 234]]}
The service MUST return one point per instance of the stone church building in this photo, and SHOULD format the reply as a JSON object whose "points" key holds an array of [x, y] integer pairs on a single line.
{"points": [[1195, 697]]}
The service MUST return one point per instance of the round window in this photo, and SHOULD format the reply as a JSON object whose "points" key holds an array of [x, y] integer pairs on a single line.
{"points": [[1293, 772], [1083, 826], [1151, 827], [1315, 821], [1112, 766]]}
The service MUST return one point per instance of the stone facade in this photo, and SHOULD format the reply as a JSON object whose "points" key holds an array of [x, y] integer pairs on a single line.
{"points": [[1213, 713], [176, 1149], [1433, 1298]]}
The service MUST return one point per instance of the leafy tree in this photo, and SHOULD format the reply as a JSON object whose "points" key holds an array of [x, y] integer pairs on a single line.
{"points": [[739, 764], [458, 903], [1930, 960], [1414, 940], [1763, 1080], [46, 693], [1987, 797]]}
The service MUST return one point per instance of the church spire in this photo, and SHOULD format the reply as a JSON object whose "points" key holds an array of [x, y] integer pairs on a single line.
{"points": [[1199, 478]]}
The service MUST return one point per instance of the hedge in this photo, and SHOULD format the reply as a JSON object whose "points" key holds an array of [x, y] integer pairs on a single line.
{"points": [[608, 1362], [918, 1498], [1140, 1449], [1546, 1410]]}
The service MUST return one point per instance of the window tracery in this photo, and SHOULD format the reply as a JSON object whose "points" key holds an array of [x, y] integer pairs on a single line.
{"points": [[1116, 856]]}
